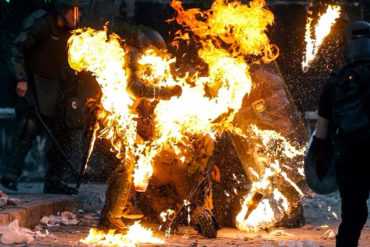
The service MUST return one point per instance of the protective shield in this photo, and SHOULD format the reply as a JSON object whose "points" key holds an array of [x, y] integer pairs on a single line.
{"points": [[319, 184]]}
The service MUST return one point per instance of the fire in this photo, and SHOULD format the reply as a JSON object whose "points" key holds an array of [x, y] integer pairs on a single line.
{"points": [[93, 51], [272, 205], [229, 34], [236, 24], [322, 29], [136, 235]]}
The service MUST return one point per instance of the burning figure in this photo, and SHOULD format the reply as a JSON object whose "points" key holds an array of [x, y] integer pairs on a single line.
{"points": [[174, 150], [118, 195]]}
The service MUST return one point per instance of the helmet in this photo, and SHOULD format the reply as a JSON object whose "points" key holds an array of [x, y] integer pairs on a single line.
{"points": [[356, 38], [149, 38], [62, 6], [71, 3]]}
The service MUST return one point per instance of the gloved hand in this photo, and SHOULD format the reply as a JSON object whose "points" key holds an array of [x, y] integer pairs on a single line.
{"points": [[322, 149]]}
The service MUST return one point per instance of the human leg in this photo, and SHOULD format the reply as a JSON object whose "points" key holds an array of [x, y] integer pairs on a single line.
{"points": [[13, 170], [56, 161], [353, 182], [118, 200]]}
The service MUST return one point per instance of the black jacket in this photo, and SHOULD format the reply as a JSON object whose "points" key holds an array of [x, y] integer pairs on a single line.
{"points": [[39, 54]]}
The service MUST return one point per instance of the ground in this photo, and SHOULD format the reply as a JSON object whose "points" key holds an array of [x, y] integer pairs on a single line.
{"points": [[318, 212]]}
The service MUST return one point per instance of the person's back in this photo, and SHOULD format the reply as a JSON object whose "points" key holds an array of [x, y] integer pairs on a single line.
{"points": [[343, 129]]}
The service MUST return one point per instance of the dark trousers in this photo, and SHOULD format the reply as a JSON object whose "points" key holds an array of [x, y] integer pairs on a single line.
{"points": [[29, 129], [353, 162]]}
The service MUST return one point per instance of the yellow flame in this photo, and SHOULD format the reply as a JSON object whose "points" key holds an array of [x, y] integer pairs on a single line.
{"points": [[204, 99], [135, 235], [274, 204], [93, 51], [228, 33], [322, 29]]}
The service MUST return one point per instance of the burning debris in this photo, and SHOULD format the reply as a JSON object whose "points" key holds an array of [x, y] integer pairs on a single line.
{"points": [[322, 29], [232, 41], [135, 235]]}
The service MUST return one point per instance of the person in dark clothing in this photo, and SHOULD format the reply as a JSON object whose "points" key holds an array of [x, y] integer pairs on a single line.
{"points": [[343, 128], [38, 58]]}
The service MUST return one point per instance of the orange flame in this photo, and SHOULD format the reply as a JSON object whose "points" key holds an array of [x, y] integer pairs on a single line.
{"points": [[228, 33], [274, 204], [136, 235], [322, 29]]}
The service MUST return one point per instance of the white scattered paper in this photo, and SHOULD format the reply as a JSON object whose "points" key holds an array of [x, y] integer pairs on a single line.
{"points": [[65, 218], [13, 234]]}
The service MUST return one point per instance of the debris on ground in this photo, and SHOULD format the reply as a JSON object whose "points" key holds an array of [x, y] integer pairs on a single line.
{"points": [[14, 201], [65, 218], [13, 234], [3, 199], [241, 237], [281, 233], [307, 243], [39, 234], [329, 234]]}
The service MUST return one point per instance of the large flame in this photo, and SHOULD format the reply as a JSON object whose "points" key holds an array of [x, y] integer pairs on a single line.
{"points": [[322, 29], [204, 99], [229, 34]]}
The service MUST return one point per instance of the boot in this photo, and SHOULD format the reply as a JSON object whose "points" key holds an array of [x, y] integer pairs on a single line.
{"points": [[117, 196], [58, 187], [132, 213], [13, 167], [205, 223], [109, 222]]}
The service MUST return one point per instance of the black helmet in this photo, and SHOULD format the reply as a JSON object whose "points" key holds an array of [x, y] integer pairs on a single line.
{"points": [[149, 38], [62, 5], [71, 3], [356, 38]]}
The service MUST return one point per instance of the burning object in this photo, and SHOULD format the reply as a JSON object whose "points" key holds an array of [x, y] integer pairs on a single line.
{"points": [[322, 30]]}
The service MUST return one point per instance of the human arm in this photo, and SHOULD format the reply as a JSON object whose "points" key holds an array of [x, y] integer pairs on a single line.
{"points": [[33, 31], [322, 128]]}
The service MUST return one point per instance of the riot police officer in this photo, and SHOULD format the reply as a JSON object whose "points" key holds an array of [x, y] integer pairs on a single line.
{"points": [[38, 57], [343, 129]]}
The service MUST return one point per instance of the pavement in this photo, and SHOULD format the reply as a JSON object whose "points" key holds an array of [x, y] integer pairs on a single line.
{"points": [[33, 204], [321, 213]]}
